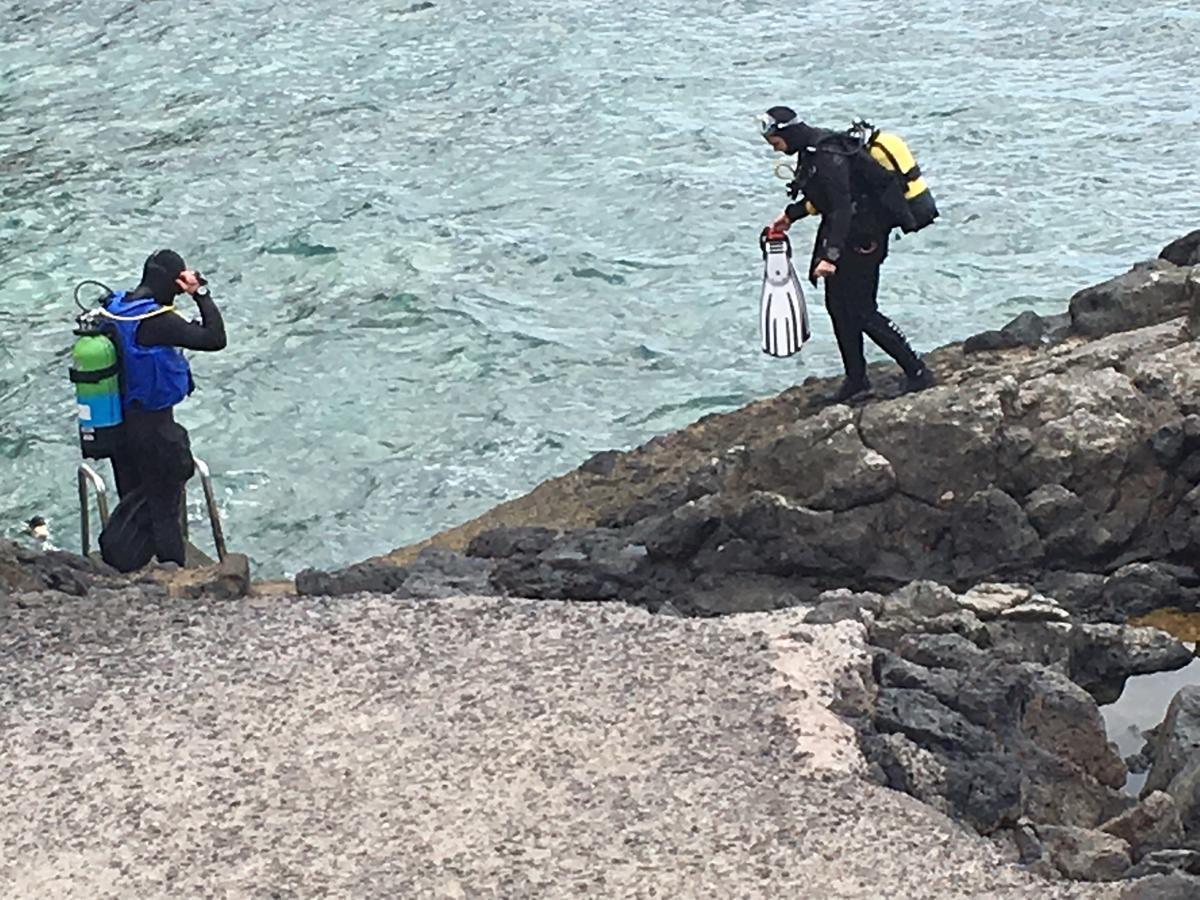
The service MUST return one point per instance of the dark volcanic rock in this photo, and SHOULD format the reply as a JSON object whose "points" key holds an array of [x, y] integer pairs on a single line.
{"points": [[714, 595], [1145, 295], [1166, 862], [25, 569], [505, 542], [941, 651], [1085, 854], [1027, 330], [989, 735], [992, 535], [662, 499], [1041, 642], [980, 788], [892, 671], [781, 537], [1192, 298], [1057, 792], [441, 573], [837, 606], [1150, 826], [927, 721], [1137, 589], [983, 789], [1175, 886], [1081, 593], [1067, 528], [1176, 768], [1103, 656], [1177, 740], [681, 534], [840, 473], [371, 576], [595, 564], [1062, 719], [1132, 591], [1184, 251]]}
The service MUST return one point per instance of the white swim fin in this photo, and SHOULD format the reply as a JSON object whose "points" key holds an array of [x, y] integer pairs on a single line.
{"points": [[782, 311]]}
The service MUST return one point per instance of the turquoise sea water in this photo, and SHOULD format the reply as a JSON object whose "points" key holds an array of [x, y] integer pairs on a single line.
{"points": [[462, 247]]}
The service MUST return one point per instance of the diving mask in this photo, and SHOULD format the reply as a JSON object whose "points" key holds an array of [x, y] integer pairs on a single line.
{"points": [[768, 125]]}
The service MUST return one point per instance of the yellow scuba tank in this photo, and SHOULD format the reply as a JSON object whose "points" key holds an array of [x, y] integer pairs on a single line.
{"points": [[887, 172], [917, 208]]}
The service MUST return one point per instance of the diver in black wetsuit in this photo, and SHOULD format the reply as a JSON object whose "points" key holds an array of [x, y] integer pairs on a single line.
{"points": [[155, 457], [851, 245]]}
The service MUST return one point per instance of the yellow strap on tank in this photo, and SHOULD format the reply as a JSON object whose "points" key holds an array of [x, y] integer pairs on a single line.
{"points": [[150, 315]]}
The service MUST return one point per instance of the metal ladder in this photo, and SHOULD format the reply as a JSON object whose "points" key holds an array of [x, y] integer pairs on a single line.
{"points": [[90, 477]]}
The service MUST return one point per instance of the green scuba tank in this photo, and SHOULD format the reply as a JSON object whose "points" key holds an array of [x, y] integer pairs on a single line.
{"points": [[96, 374]]}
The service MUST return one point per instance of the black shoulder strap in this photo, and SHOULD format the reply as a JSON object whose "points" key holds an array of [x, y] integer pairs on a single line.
{"points": [[841, 142]]}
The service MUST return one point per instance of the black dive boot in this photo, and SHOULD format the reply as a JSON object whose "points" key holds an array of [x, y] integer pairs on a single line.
{"points": [[850, 389], [920, 379], [891, 340]]}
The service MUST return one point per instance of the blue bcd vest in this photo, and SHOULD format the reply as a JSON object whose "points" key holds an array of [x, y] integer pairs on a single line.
{"points": [[153, 378]]}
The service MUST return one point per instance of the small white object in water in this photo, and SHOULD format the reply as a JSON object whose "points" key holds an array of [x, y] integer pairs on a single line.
{"points": [[39, 530]]}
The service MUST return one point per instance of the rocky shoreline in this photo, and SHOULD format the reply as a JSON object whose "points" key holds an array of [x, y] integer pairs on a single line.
{"points": [[993, 534], [994, 540], [984, 705]]}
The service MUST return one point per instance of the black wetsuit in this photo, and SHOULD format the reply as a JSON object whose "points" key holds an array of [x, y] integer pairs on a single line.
{"points": [[853, 237], [156, 455]]}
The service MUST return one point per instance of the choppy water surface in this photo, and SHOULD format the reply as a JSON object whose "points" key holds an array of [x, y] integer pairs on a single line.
{"points": [[461, 247]]}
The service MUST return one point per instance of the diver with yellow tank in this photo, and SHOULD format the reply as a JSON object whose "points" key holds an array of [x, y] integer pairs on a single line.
{"points": [[862, 183]]}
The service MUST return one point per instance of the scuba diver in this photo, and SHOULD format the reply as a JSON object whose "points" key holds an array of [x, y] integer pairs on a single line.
{"points": [[154, 455], [859, 200]]}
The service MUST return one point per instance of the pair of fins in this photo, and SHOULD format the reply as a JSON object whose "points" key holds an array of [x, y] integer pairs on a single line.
{"points": [[782, 312]]}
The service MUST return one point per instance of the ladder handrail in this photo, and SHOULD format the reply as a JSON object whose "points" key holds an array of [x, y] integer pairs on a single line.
{"points": [[214, 515], [87, 474]]}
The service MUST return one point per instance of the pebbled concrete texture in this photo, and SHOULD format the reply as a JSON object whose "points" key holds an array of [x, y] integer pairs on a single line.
{"points": [[369, 747]]}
